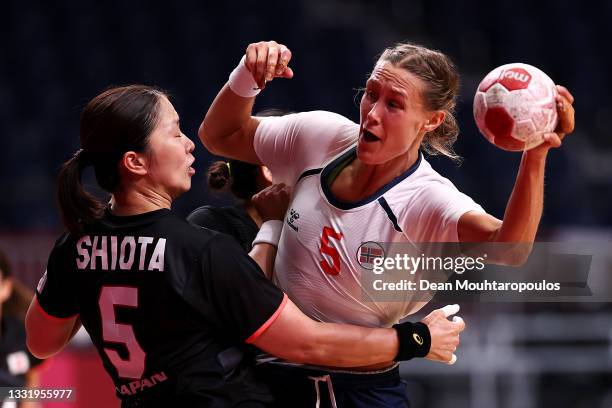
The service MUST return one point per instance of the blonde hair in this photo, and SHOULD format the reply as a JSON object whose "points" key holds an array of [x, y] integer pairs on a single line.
{"points": [[441, 80]]}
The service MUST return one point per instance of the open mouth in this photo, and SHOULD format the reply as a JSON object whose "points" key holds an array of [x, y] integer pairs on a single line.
{"points": [[369, 137], [190, 169]]}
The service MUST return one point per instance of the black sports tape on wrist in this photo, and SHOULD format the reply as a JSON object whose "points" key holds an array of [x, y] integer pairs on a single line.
{"points": [[414, 340]]}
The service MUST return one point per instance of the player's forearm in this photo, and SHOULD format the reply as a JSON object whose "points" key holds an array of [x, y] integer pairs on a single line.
{"points": [[264, 254], [350, 346], [228, 114], [295, 337], [524, 209]]}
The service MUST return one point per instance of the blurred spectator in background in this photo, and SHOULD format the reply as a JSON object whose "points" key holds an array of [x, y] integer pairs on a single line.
{"points": [[17, 365]]}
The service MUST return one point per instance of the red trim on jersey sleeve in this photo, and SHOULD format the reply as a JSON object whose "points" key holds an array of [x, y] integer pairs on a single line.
{"points": [[268, 322], [47, 315]]}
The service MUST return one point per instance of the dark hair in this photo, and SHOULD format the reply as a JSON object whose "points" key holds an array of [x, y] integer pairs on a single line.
{"points": [[237, 176], [116, 121], [440, 76]]}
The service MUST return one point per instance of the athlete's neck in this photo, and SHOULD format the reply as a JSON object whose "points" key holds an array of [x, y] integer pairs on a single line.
{"points": [[359, 180], [134, 202]]}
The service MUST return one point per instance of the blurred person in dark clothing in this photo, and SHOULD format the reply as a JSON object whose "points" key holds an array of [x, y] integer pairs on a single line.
{"points": [[18, 367]]}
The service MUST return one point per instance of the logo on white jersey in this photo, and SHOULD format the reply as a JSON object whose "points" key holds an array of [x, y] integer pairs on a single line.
{"points": [[368, 252], [292, 218]]}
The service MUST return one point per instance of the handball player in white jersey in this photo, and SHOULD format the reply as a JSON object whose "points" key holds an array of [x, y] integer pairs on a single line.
{"points": [[355, 183]]}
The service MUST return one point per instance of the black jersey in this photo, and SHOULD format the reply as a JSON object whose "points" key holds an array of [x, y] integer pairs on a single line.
{"points": [[232, 221], [15, 359], [162, 300]]}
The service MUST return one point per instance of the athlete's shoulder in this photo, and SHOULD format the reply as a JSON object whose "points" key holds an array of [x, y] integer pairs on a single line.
{"points": [[307, 125], [205, 211], [311, 118], [327, 116], [425, 177], [290, 144], [187, 232], [427, 191], [425, 188], [63, 240], [210, 216], [63, 244]]}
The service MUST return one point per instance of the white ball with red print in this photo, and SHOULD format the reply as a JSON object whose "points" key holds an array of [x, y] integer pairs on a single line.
{"points": [[514, 106]]}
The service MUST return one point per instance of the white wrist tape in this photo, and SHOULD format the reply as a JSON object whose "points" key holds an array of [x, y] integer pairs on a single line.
{"points": [[241, 81], [269, 233]]}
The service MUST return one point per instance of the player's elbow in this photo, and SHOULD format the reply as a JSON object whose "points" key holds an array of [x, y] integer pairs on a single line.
{"points": [[44, 336], [35, 339], [516, 260], [37, 347], [515, 255], [39, 342], [208, 139], [36, 352]]}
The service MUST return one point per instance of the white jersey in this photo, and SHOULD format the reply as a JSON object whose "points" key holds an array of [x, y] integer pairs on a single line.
{"points": [[318, 261]]}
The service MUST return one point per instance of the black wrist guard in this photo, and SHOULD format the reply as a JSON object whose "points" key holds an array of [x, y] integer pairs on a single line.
{"points": [[414, 340]]}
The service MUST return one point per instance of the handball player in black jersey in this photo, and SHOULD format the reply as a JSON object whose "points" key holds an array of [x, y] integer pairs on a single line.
{"points": [[163, 300]]}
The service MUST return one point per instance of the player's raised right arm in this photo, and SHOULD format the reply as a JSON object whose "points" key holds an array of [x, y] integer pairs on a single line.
{"points": [[228, 128]]}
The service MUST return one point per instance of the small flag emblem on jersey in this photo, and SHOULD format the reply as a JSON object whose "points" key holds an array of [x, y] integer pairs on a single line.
{"points": [[368, 252]]}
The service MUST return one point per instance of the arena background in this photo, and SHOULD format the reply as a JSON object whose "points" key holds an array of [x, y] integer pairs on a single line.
{"points": [[57, 55]]}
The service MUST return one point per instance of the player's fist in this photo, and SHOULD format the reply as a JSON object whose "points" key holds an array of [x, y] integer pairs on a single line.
{"points": [[566, 114], [444, 333], [565, 110], [267, 60], [271, 203]]}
